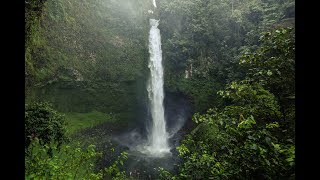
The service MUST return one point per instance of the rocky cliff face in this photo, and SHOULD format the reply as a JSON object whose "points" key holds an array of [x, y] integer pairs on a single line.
{"points": [[83, 55]]}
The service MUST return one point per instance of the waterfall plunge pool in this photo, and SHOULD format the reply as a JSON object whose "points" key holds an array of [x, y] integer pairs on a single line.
{"points": [[140, 165]]}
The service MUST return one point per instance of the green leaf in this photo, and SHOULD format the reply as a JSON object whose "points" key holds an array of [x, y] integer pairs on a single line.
{"points": [[254, 147]]}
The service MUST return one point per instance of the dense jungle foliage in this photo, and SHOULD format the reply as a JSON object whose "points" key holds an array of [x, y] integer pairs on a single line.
{"points": [[253, 136], [86, 63], [203, 40]]}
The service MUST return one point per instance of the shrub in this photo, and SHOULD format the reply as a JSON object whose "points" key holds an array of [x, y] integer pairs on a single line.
{"points": [[44, 123], [67, 162]]}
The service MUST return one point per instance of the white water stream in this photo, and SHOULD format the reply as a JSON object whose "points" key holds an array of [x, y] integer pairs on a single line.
{"points": [[154, 3], [158, 137]]}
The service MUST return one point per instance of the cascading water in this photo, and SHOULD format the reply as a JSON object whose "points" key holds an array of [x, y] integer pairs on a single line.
{"points": [[154, 3], [157, 142], [158, 137], [148, 152]]}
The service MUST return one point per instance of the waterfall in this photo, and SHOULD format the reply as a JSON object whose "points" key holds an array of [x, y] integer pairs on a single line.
{"points": [[158, 137], [154, 3]]}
